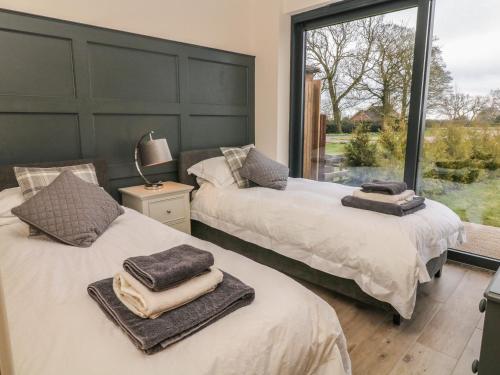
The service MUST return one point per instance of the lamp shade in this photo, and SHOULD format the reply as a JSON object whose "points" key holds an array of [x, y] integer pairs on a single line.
{"points": [[154, 152]]}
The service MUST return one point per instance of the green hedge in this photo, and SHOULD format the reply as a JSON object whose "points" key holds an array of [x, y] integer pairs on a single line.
{"points": [[490, 164], [454, 164], [349, 126], [462, 175]]}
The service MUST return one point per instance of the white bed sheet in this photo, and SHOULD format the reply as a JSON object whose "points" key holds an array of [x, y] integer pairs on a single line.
{"points": [[385, 255], [56, 328]]}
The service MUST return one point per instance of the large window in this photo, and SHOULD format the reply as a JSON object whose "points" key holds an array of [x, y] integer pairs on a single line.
{"points": [[459, 164], [357, 88], [375, 94]]}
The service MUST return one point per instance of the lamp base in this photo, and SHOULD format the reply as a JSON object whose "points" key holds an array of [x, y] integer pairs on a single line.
{"points": [[154, 186]]}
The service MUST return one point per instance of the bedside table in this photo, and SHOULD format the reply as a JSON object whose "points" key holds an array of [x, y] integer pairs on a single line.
{"points": [[490, 305], [169, 205]]}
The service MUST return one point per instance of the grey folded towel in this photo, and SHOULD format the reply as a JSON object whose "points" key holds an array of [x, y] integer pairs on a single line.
{"points": [[153, 335], [385, 208], [163, 270], [384, 187]]}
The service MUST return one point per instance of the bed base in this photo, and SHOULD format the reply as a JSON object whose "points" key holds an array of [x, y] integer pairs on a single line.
{"points": [[300, 270]]}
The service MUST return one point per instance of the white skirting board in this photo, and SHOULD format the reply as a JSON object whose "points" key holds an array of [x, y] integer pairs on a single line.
{"points": [[6, 364]]}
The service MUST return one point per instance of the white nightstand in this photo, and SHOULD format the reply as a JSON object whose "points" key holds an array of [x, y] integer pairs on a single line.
{"points": [[169, 205]]}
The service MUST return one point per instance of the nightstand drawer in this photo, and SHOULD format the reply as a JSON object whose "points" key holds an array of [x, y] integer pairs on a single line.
{"points": [[169, 209]]}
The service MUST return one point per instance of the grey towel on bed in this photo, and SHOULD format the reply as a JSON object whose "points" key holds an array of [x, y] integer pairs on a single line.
{"points": [[384, 187], [163, 270], [153, 335], [385, 208]]}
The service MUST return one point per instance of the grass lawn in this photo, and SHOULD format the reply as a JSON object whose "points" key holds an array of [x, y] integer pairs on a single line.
{"points": [[335, 148], [477, 202], [335, 143]]}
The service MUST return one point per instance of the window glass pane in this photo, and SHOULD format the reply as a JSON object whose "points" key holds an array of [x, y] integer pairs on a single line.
{"points": [[460, 161], [357, 95]]}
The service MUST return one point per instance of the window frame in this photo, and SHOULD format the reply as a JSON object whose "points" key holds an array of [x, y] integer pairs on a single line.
{"points": [[348, 10]]}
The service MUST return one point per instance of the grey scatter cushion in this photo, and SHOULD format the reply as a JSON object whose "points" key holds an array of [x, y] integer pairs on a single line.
{"points": [[31, 180], [263, 171], [70, 210], [235, 157]]}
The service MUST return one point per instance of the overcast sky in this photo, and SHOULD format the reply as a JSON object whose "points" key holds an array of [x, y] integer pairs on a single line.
{"points": [[468, 33]]}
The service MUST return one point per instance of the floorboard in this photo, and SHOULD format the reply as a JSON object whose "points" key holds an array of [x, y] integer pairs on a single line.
{"points": [[442, 338], [471, 352], [423, 360], [384, 348], [451, 328]]}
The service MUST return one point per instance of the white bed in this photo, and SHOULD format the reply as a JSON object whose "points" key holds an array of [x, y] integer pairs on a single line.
{"points": [[385, 255], [56, 328]]}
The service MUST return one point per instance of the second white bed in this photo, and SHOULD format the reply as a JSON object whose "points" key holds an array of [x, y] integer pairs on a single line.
{"points": [[385, 255]]}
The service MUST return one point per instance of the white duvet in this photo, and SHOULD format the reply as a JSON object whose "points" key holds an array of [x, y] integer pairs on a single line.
{"points": [[385, 255], [56, 328]]}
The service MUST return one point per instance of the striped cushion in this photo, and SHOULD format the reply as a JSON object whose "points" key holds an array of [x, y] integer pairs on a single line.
{"points": [[235, 157], [31, 180]]}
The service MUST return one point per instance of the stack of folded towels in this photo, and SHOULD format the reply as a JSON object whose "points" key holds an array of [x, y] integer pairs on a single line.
{"points": [[387, 197], [162, 298]]}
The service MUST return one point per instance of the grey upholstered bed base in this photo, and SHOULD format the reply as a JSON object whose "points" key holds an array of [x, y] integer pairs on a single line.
{"points": [[277, 261], [300, 270]]}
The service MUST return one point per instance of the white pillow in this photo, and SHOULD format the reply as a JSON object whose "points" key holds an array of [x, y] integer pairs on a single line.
{"points": [[214, 170], [9, 198]]}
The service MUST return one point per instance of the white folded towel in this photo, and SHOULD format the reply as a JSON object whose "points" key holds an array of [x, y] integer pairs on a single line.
{"points": [[148, 304], [405, 196]]}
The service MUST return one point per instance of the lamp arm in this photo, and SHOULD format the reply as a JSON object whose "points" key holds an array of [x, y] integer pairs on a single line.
{"points": [[136, 155]]}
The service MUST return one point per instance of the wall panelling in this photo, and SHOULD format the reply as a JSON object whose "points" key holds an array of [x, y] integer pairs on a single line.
{"points": [[72, 91]]}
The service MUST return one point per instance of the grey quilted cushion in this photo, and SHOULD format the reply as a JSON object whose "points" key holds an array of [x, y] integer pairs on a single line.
{"points": [[70, 210], [32, 179], [263, 171]]}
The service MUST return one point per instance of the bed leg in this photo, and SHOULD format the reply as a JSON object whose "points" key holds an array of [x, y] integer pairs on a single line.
{"points": [[438, 273], [396, 319]]}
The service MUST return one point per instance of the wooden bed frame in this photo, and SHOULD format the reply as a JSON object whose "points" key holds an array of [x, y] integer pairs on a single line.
{"points": [[280, 262], [8, 180]]}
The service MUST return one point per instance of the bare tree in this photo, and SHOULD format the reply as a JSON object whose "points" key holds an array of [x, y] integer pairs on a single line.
{"points": [[371, 61], [342, 53], [326, 106], [439, 79], [495, 100], [405, 41], [476, 105], [390, 81], [491, 113], [454, 106], [392, 67], [463, 107]]}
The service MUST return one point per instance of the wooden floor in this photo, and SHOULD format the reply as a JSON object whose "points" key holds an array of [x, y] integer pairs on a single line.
{"points": [[443, 338]]}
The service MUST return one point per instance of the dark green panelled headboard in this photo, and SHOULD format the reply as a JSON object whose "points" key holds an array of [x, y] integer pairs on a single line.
{"points": [[71, 91]]}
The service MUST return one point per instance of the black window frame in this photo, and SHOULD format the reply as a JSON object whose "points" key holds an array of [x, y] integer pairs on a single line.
{"points": [[348, 10]]}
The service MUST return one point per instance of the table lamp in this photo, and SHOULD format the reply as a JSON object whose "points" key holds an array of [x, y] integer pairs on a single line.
{"points": [[150, 153]]}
